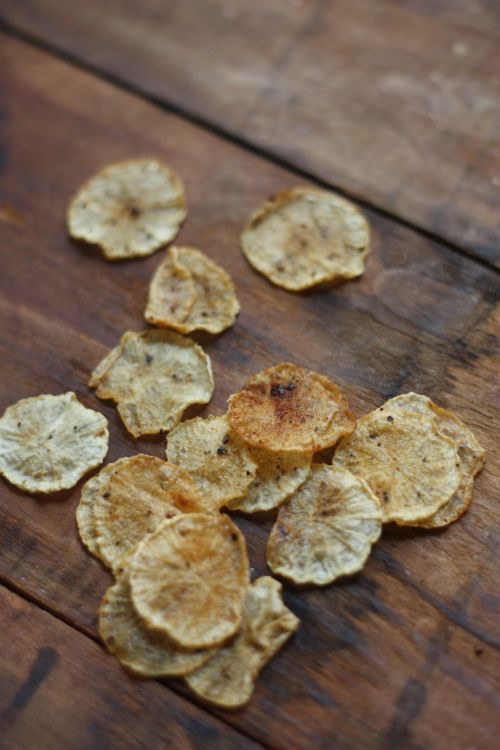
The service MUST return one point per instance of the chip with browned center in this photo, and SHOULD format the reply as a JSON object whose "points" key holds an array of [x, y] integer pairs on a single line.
{"points": [[289, 409], [228, 679], [189, 579]]}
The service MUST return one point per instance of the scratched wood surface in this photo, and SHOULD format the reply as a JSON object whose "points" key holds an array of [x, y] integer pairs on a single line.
{"points": [[404, 655], [395, 102]]}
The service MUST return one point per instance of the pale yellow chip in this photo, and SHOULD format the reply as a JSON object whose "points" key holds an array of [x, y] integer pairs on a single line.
{"points": [[411, 467], [219, 462], [289, 409], [47, 443], [228, 679], [129, 209], [471, 454], [137, 494], [154, 377], [326, 529], [146, 652], [277, 477], [189, 579], [304, 237], [190, 292]]}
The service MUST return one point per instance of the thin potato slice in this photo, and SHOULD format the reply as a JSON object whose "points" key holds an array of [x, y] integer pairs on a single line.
{"points": [[289, 409], [219, 462], [129, 209], [228, 679], [146, 652], [304, 237], [85, 511], [277, 477], [172, 293], [189, 579], [154, 377], [47, 443], [411, 467], [326, 529], [137, 494]]}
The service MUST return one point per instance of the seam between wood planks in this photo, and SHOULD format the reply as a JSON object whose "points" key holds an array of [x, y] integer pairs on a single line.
{"points": [[227, 135]]}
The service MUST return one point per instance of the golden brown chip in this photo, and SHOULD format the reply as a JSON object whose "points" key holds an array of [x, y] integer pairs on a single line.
{"points": [[288, 409], [411, 467], [137, 494], [304, 237], [154, 377], [219, 462], [189, 579], [325, 529], [47, 443], [277, 477], [129, 209], [146, 652], [228, 678], [190, 292]]}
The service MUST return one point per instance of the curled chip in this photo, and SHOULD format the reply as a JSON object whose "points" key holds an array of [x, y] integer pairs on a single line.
{"points": [[288, 409], [154, 376], [146, 652], [190, 292], [228, 678], [219, 462], [85, 511], [304, 237], [47, 443], [471, 454], [129, 209], [411, 467], [137, 494], [189, 579], [325, 529], [277, 477]]}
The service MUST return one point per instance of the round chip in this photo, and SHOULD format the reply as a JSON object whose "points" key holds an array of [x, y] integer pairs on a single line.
{"points": [[304, 237], [146, 652], [189, 579], [85, 511], [228, 679], [190, 292], [288, 409], [325, 529], [411, 467], [137, 494], [47, 443], [129, 209], [219, 462], [153, 378], [277, 477]]}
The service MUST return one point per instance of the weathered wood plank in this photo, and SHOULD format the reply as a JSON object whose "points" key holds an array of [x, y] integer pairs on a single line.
{"points": [[374, 652], [396, 102]]}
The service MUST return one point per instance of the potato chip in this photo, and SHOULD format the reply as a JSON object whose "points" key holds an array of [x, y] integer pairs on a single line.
{"points": [[411, 467], [219, 462], [471, 454], [228, 679], [304, 237], [288, 409], [85, 511], [138, 493], [189, 579], [326, 529], [129, 209], [146, 652], [277, 477], [47, 443], [190, 292], [154, 377]]}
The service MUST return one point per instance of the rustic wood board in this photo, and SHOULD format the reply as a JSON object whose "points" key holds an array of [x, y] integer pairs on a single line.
{"points": [[403, 655], [395, 102]]}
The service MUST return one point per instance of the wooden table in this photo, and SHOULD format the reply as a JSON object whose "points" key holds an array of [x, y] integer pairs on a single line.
{"points": [[397, 104]]}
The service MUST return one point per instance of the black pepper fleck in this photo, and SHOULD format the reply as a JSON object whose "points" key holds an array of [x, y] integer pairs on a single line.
{"points": [[221, 450]]}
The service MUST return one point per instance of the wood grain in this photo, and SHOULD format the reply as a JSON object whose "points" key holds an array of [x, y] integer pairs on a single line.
{"points": [[376, 654], [395, 102]]}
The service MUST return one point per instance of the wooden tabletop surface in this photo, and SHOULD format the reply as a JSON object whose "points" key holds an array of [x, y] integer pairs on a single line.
{"points": [[395, 104]]}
